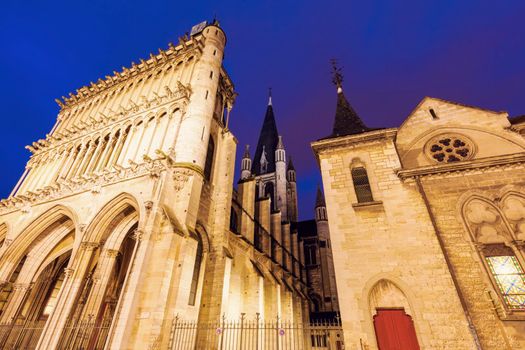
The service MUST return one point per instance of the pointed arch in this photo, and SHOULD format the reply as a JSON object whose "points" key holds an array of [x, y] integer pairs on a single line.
{"points": [[56, 218], [113, 213]]}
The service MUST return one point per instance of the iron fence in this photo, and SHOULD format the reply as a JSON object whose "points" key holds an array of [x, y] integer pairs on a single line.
{"points": [[255, 334], [20, 334], [85, 334]]}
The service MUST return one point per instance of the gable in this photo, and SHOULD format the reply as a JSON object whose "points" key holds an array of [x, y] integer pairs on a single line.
{"points": [[439, 132]]}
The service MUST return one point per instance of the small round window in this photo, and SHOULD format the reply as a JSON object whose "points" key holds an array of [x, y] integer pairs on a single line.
{"points": [[450, 148]]}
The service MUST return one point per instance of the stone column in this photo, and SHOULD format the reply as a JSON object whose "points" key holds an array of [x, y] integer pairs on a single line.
{"points": [[101, 279], [68, 296], [18, 296]]}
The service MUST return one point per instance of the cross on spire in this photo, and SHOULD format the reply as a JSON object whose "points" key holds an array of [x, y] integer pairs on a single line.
{"points": [[337, 75], [269, 96]]}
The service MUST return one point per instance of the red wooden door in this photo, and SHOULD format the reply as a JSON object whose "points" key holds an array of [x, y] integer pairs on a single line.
{"points": [[395, 330]]}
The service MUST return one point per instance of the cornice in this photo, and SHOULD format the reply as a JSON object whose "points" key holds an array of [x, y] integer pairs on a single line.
{"points": [[154, 61], [181, 95], [92, 183], [322, 145], [504, 162]]}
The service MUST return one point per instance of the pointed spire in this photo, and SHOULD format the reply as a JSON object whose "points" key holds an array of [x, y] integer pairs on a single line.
{"points": [[246, 164], [247, 152], [347, 121], [268, 137], [280, 144], [319, 199], [290, 164]]}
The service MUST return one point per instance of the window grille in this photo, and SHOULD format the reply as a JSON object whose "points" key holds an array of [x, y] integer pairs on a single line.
{"points": [[361, 185]]}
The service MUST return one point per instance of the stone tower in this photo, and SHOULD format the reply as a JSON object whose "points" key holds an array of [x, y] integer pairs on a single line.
{"points": [[274, 177], [123, 205]]}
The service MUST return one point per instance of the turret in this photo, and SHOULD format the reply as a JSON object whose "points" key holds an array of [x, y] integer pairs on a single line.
{"points": [[320, 206], [290, 171], [280, 178], [246, 164], [195, 126]]}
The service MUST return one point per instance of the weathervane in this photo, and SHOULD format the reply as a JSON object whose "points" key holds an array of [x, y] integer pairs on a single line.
{"points": [[337, 78]]}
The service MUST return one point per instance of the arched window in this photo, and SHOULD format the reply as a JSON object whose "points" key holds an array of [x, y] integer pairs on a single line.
{"points": [[310, 254], [196, 273], [361, 185], [208, 166], [485, 221], [269, 192], [233, 221], [507, 273]]}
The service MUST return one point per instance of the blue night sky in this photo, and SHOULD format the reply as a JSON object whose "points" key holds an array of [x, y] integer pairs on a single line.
{"points": [[393, 53]]}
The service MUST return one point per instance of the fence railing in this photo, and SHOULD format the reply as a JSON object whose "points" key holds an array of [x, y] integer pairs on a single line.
{"points": [[20, 334], [255, 334], [85, 334]]}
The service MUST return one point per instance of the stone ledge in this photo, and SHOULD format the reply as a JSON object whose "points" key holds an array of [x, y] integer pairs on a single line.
{"points": [[367, 205]]}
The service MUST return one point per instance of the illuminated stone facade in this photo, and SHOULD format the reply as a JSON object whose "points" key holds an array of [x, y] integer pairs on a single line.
{"points": [[121, 222], [418, 214]]}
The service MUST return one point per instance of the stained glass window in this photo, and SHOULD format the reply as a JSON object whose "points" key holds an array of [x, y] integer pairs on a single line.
{"points": [[510, 279]]}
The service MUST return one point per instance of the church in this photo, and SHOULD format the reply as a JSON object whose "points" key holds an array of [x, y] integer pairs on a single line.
{"points": [[427, 222], [125, 230]]}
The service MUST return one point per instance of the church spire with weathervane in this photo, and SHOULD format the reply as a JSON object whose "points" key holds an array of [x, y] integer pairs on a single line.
{"points": [[347, 121]]}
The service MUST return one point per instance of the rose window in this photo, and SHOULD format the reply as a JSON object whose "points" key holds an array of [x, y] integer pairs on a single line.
{"points": [[450, 148]]}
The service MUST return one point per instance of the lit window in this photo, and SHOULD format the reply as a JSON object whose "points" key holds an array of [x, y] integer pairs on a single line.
{"points": [[510, 279]]}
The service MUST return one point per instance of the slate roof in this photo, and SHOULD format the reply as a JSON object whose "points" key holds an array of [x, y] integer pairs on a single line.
{"points": [[347, 121], [319, 200], [268, 137]]}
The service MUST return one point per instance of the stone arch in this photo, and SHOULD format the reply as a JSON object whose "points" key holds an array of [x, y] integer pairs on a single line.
{"points": [[513, 207], [390, 282], [494, 225], [118, 209], [484, 220], [201, 231], [3, 233], [386, 294], [36, 231]]}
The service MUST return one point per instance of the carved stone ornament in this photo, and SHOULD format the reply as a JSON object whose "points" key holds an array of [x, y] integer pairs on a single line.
{"points": [[180, 177], [22, 286], [68, 272], [112, 253], [137, 235], [89, 246], [450, 148]]}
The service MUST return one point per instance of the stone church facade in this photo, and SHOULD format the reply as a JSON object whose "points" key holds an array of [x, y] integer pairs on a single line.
{"points": [[427, 225], [121, 223]]}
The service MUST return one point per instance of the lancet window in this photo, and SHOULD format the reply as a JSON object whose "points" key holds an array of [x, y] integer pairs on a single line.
{"points": [[196, 272], [362, 187], [489, 229], [208, 166]]}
